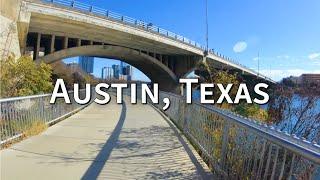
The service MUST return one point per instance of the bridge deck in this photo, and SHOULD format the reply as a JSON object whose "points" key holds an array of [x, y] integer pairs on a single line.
{"points": [[107, 142]]}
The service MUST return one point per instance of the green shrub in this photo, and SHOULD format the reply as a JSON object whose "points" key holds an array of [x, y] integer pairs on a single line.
{"points": [[22, 77], [252, 111]]}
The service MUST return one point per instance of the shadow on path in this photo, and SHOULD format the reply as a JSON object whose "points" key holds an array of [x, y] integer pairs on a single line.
{"points": [[95, 168], [193, 158]]}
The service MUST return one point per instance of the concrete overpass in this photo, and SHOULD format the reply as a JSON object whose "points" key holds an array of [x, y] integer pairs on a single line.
{"points": [[65, 28]]}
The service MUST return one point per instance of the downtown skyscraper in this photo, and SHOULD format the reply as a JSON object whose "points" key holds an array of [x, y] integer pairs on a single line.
{"points": [[86, 63]]}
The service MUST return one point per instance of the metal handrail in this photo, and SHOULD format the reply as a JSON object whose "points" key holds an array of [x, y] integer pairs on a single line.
{"points": [[243, 136], [28, 97], [141, 24], [22, 97], [306, 148], [17, 114]]}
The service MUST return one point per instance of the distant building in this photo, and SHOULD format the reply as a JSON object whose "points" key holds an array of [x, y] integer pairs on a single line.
{"points": [[122, 64], [116, 71], [123, 77], [295, 79], [304, 79], [86, 63], [74, 67], [126, 70], [310, 78], [119, 72], [107, 73]]}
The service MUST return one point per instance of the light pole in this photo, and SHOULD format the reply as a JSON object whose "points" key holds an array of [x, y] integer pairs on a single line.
{"points": [[258, 63], [207, 29]]}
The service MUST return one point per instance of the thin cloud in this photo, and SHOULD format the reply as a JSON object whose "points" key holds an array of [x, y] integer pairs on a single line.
{"points": [[317, 63], [283, 57], [240, 47], [314, 56]]}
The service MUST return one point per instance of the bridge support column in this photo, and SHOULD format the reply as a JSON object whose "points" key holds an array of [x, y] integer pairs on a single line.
{"points": [[14, 19], [165, 61], [53, 38], [65, 42], [173, 66], [37, 47], [23, 26], [78, 42], [184, 64]]}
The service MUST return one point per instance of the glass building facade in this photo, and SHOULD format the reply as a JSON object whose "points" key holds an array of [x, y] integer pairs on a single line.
{"points": [[86, 63]]}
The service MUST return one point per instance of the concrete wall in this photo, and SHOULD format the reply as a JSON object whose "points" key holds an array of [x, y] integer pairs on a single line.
{"points": [[9, 41], [9, 8], [23, 26], [14, 27]]}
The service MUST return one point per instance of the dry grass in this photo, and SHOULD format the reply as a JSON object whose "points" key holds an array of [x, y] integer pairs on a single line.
{"points": [[35, 128]]}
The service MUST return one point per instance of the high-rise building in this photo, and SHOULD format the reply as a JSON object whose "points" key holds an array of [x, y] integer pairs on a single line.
{"points": [[107, 73], [116, 71], [122, 65], [86, 63], [126, 70]]}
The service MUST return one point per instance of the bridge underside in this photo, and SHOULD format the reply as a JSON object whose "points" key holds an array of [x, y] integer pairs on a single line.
{"points": [[46, 28], [164, 69]]}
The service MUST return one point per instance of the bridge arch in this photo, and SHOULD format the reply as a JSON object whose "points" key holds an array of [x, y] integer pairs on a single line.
{"points": [[153, 68]]}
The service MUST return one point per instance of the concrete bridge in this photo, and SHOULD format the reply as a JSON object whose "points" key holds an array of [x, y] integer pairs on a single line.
{"points": [[56, 29]]}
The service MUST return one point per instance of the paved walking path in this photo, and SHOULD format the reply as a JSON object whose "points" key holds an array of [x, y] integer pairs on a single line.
{"points": [[105, 142]]}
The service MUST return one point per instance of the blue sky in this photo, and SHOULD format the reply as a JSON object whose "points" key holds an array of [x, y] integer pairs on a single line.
{"points": [[285, 33]]}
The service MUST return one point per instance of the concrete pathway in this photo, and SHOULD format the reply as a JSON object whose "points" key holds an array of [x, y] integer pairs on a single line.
{"points": [[105, 142]]}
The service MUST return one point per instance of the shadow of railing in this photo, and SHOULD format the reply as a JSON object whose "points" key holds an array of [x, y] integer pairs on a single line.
{"points": [[186, 147]]}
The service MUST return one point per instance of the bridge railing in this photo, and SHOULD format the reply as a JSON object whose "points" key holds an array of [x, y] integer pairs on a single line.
{"points": [[86, 8], [17, 114], [124, 19], [240, 148]]}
